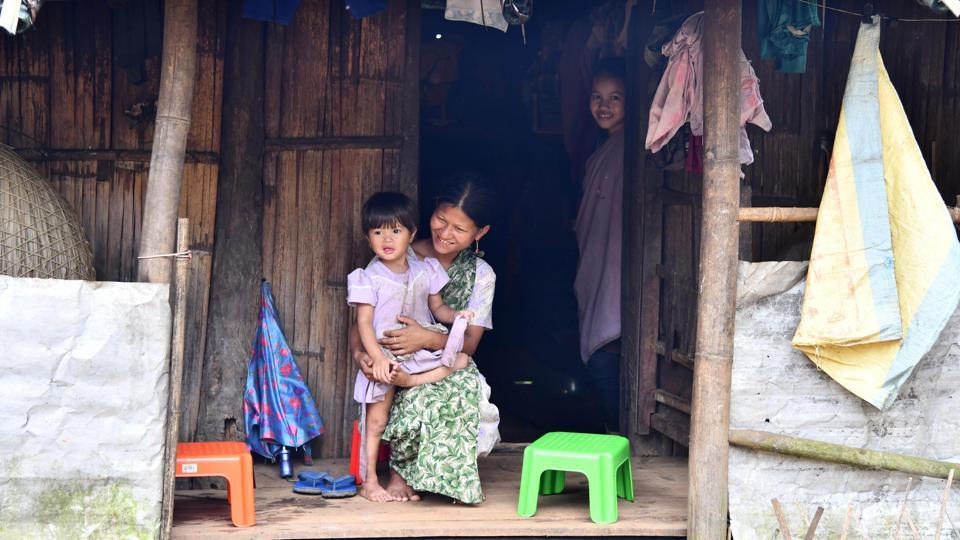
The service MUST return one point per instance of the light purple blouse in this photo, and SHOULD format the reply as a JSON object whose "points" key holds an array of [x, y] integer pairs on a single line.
{"points": [[599, 231], [393, 294]]}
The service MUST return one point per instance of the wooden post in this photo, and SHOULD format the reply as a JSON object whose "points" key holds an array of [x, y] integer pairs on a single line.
{"points": [[638, 378], [176, 375], [162, 200], [710, 418], [238, 255]]}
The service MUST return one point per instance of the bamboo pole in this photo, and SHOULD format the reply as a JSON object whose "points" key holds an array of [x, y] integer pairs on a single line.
{"points": [[838, 453], [710, 418], [176, 375], [162, 200], [943, 505], [781, 519], [773, 214]]}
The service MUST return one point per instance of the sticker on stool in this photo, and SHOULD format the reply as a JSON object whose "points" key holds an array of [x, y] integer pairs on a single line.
{"points": [[188, 468]]}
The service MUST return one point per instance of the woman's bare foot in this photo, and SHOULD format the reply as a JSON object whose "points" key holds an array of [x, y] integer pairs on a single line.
{"points": [[399, 488], [372, 491]]}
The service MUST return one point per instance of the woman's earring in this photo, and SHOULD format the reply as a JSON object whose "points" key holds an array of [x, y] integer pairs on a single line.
{"points": [[476, 248]]}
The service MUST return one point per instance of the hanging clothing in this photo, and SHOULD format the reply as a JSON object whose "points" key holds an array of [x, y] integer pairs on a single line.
{"points": [[784, 30], [275, 11], [482, 12], [365, 8], [679, 97], [599, 229], [694, 162], [436, 431]]}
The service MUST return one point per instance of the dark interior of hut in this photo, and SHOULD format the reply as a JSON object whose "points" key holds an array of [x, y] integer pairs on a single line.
{"points": [[490, 104]]}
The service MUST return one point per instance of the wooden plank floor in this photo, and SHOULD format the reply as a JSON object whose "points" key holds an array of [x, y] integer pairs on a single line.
{"points": [[660, 509]]}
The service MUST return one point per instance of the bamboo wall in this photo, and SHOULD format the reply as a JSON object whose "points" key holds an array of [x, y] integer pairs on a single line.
{"points": [[335, 128], [68, 105], [337, 101]]}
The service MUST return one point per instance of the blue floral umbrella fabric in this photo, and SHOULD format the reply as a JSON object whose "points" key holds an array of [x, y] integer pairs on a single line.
{"points": [[277, 406]]}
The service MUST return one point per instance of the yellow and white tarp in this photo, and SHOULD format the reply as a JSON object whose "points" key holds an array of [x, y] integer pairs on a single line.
{"points": [[884, 273]]}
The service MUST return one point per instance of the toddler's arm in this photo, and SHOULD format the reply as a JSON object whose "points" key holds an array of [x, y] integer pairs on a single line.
{"points": [[384, 369], [407, 380], [445, 313]]}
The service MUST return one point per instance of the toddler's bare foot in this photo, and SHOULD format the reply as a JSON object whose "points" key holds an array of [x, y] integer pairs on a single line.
{"points": [[372, 491], [399, 488]]}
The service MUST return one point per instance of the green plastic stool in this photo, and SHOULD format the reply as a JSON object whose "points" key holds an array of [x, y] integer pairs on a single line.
{"points": [[603, 459]]}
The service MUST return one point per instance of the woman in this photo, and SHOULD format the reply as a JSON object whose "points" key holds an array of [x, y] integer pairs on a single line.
{"points": [[437, 430]]}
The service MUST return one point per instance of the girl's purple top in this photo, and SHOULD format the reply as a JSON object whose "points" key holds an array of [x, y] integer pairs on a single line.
{"points": [[393, 294]]}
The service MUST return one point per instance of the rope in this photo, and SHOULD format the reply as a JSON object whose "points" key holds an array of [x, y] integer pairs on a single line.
{"points": [[179, 255], [838, 10]]}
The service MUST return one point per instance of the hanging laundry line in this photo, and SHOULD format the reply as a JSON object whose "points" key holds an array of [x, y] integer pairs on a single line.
{"points": [[861, 15]]}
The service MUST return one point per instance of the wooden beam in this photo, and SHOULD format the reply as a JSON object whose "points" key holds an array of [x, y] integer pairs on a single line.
{"points": [[672, 400], [710, 415], [785, 214], [333, 143], [177, 75], [636, 399], [81, 154], [838, 453], [238, 257], [410, 131]]}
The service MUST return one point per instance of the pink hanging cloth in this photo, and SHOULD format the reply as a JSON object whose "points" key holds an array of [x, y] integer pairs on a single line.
{"points": [[679, 97]]}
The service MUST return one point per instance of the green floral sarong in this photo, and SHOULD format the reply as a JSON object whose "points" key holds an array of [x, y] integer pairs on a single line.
{"points": [[433, 428]]}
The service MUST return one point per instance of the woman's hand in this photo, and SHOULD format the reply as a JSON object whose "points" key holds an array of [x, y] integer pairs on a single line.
{"points": [[412, 338]]}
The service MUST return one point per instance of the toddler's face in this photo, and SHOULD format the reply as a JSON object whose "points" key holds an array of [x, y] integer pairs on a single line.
{"points": [[607, 103], [390, 243]]}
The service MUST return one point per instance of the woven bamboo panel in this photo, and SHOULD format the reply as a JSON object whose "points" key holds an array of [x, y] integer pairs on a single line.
{"points": [[40, 236]]}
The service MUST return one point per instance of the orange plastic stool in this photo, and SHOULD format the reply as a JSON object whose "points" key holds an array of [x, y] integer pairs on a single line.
{"points": [[382, 457], [230, 460]]}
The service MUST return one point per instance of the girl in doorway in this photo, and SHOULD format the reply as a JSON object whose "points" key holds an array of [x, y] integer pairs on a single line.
{"points": [[599, 228], [394, 285]]}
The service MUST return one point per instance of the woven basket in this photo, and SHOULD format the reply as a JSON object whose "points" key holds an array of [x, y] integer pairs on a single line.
{"points": [[40, 235]]}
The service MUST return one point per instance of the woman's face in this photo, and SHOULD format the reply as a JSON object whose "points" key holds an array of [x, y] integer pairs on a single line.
{"points": [[452, 230]]}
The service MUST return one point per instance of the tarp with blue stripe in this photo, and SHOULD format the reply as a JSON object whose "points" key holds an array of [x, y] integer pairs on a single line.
{"points": [[884, 273]]}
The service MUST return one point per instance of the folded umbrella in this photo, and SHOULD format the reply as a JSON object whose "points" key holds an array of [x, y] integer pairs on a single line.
{"points": [[278, 410]]}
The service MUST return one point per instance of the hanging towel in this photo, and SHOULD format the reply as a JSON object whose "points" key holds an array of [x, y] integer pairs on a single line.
{"points": [[365, 8], [784, 30], [482, 12], [275, 11], [883, 271], [679, 97]]}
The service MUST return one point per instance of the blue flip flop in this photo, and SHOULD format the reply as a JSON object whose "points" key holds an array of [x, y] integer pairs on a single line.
{"points": [[338, 488], [311, 482]]}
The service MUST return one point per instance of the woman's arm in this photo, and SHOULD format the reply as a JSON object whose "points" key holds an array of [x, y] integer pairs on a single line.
{"points": [[412, 338], [383, 368], [471, 339]]}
